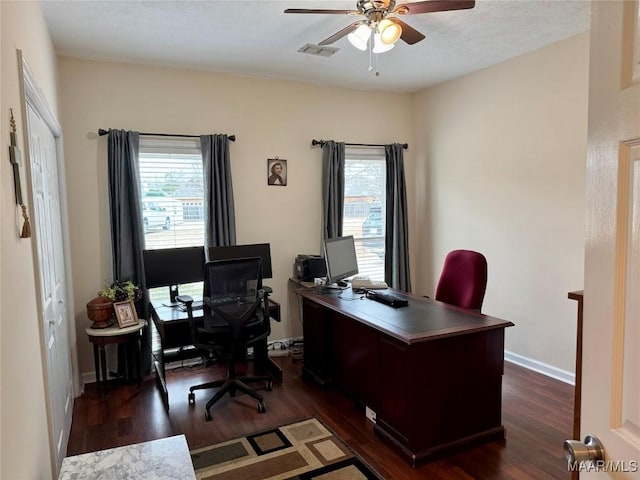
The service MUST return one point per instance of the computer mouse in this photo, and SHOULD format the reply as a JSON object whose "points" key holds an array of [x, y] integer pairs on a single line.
{"points": [[342, 283]]}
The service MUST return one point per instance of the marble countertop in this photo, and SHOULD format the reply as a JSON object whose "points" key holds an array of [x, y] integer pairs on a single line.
{"points": [[164, 459]]}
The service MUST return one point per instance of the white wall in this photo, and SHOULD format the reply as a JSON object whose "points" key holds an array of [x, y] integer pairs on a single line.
{"points": [[25, 447], [269, 118], [500, 165]]}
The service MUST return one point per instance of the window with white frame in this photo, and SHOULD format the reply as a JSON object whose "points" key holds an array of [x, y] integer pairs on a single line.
{"points": [[172, 191], [364, 207]]}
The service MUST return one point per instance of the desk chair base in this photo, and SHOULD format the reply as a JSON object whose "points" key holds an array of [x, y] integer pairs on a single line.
{"points": [[231, 385]]}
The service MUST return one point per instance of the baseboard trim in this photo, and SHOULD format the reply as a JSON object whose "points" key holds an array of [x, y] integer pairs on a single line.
{"points": [[520, 360], [540, 367], [90, 377]]}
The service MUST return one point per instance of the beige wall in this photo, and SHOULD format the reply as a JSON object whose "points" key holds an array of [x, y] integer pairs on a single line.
{"points": [[500, 163], [25, 448], [270, 118]]}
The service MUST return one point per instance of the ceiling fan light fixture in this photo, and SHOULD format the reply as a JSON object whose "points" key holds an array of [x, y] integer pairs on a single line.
{"points": [[379, 46], [390, 31], [360, 37]]}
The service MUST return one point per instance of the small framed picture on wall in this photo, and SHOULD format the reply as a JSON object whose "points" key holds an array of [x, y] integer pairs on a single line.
{"points": [[277, 172]]}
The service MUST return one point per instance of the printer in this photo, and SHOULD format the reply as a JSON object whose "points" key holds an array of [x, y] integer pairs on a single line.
{"points": [[308, 267]]}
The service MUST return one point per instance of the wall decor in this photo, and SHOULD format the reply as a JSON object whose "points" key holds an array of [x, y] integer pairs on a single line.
{"points": [[126, 313], [16, 161], [277, 172]]}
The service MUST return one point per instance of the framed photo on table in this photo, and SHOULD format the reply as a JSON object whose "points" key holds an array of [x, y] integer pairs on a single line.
{"points": [[126, 313]]}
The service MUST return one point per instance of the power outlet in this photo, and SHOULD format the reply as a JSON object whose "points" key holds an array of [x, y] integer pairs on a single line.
{"points": [[371, 415]]}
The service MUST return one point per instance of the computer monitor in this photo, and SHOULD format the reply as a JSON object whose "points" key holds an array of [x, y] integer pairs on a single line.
{"points": [[340, 256], [171, 267], [262, 250]]}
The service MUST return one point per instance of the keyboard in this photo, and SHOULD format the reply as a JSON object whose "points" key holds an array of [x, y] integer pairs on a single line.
{"points": [[391, 299], [221, 301], [364, 283], [196, 305]]}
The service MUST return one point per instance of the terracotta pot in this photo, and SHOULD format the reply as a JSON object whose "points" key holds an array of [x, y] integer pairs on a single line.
{"points": [[100, 312]]}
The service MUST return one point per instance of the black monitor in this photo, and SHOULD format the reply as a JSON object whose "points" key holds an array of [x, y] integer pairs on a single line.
{"points": [[170, 267], [262, 250], [340, 257]]}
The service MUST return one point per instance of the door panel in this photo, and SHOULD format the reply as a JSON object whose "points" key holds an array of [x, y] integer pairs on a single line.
{"points": [[611, 383], [627, 399], [53, 295]]}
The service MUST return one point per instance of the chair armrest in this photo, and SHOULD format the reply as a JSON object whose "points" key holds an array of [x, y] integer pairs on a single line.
{"points": [[268, 290]]}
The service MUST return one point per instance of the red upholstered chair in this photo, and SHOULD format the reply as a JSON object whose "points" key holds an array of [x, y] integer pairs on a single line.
{"points": [[463, 280]]}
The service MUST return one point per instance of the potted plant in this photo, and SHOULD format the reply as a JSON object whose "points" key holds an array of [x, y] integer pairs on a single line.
{"points": [[100, 309], [120, 290]]}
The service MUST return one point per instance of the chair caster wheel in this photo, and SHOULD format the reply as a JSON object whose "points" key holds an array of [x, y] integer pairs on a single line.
{"points": [[269, 386], [207, 416], [192, 398], [261, 407]]}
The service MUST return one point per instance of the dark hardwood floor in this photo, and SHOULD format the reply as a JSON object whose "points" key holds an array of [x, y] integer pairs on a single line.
{"points": [[537, 414]]}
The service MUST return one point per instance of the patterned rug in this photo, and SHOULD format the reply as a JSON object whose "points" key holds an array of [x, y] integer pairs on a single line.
{"points": [[303, 451]]}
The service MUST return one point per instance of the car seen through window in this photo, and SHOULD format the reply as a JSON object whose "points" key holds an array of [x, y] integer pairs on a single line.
{"points": [[155, 216]]}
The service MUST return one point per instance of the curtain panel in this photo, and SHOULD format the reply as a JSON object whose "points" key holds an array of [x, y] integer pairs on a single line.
{"points": [[396, 259], [127, 238], [219, 211], [332, 188]]}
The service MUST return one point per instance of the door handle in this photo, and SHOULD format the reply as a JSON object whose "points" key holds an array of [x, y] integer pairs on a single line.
{"points": [[589, 450]]}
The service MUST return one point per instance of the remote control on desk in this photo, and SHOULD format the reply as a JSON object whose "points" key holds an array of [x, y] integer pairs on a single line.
{"points": [[390, 299]]}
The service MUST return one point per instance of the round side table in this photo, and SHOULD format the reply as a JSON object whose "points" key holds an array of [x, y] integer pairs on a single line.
{"points": [[100, 337]]}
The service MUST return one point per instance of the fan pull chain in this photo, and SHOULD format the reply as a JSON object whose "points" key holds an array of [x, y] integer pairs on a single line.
{"points": [[371, 67]]}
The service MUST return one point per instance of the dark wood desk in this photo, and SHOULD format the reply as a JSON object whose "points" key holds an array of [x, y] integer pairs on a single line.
{"points": [[172, 327], [432, 373]]}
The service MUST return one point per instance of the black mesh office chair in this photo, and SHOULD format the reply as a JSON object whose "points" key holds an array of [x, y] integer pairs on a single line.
{"points": [[235, 316]]}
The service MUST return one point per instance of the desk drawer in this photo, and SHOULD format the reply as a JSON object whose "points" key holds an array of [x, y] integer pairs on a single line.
{"points": [[318, 345], [176, 334]]}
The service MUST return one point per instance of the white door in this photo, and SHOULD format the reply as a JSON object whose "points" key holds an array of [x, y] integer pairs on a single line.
{"points": [[611, 362], [53, 295]]}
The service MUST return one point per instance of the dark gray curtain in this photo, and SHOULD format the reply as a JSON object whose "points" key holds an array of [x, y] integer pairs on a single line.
{"points": [[127, 237], [332, 188], [219, 212], [396, 259]]}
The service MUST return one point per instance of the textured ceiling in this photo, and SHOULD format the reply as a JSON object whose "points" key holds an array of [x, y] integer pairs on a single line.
{"points": [[255, 38]]}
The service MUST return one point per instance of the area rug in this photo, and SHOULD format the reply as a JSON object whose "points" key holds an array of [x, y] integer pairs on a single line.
{"points": [[302, 451]]}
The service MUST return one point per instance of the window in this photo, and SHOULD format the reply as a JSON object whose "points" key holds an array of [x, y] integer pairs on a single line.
{"points": [[364, 207], [172, 192]]}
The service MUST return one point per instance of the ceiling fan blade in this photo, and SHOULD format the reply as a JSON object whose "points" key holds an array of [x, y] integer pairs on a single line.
{"points": [[429, 6], [338, 35], [409, 34], [320, 10]]}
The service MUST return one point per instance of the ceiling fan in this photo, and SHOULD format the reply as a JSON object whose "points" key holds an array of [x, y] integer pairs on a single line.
{"points": [[380, 21]]}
